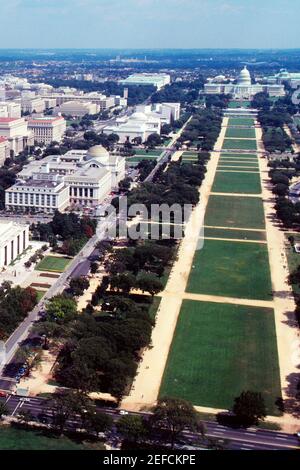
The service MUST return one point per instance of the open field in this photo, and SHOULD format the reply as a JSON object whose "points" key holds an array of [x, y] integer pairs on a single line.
{"points": [[235, 234], [218, 351], [19, 439], [223, 268], [53, 264], [238, 164], [241, 156], [149, 152], [240, 144], [239, 104], [239, 121], [240, 133], [231, 211], [246, 183]]}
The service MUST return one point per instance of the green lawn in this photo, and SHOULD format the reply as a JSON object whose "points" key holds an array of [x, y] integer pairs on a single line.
{"points": [[247, 156], [149, 152], [235, 121], [53, 264], [218, 351], [225, 268], [236, 234], [234, 168], [240, 144], [40, 294], [240, 133], [232, 211], [237, 163], [237, 183], [19, 439], [238, 104]]}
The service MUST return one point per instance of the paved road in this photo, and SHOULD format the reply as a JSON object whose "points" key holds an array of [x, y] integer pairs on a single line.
{"points": [[239, 439], [78, 266], [79, 263]]}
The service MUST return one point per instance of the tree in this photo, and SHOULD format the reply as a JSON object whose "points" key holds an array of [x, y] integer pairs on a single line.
{"points": [[94, 267], [173, 415], [99, 422], [249, 408], [66, 405], [132, 428], [61, 308], [148, 282], [78, 285]]}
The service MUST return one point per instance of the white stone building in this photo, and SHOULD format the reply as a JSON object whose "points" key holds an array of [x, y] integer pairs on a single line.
{"points": [[77, 108], [10, 109], [159, 80], [40, 193], [78, 178], [33, 105], [166, 112], [17, 133], [137, 125], [243, 88], [14, 239], [47, 129]]}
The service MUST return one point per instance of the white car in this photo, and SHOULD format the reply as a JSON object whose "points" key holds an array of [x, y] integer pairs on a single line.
{"points": [[123, 412]]}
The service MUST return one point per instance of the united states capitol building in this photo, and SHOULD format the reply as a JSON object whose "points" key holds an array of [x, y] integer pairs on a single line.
{"points": [[242, 87]]}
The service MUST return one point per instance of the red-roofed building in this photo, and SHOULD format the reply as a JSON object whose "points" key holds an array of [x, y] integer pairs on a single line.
{"points": [[47, 129]]}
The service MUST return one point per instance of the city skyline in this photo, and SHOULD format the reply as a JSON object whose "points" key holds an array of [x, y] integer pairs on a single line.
{"points": [[147, 24]]}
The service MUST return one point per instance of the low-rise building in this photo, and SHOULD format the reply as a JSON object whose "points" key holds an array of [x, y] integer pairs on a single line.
{"points": [[47, 129], [77, 108], [77, 178], [40, 193], [166, 112], [137, 125], [17, 133], [159, 80], [33, 105], [10, 109], [14, 239]]}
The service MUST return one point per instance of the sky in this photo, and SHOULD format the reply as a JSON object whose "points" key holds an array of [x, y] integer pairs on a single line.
{"points": [[149, 24]]}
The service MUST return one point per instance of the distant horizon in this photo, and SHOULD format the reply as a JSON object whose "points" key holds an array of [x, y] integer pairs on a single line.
{"points": [[150, 48], [147, 24]]}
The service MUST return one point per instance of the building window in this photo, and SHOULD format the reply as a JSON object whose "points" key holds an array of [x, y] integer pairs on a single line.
{"points": [[24, 239], [5, 256], [12, 249], [18, 244]]}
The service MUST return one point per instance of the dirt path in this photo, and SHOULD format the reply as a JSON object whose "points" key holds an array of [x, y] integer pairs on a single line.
{"points": [[235, 194], [146, 386], [288, 340]]}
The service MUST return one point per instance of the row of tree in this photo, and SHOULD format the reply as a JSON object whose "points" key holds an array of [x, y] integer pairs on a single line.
{"points": [[15, 303]]}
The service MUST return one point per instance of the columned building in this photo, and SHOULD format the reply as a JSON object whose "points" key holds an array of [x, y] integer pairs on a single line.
{"points": [[78, 178], [243, 88], [14, 239], [47, 129]]}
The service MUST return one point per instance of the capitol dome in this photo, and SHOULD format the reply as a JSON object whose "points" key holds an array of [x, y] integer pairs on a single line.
{"points": [[244, 77], [97, 152]]}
